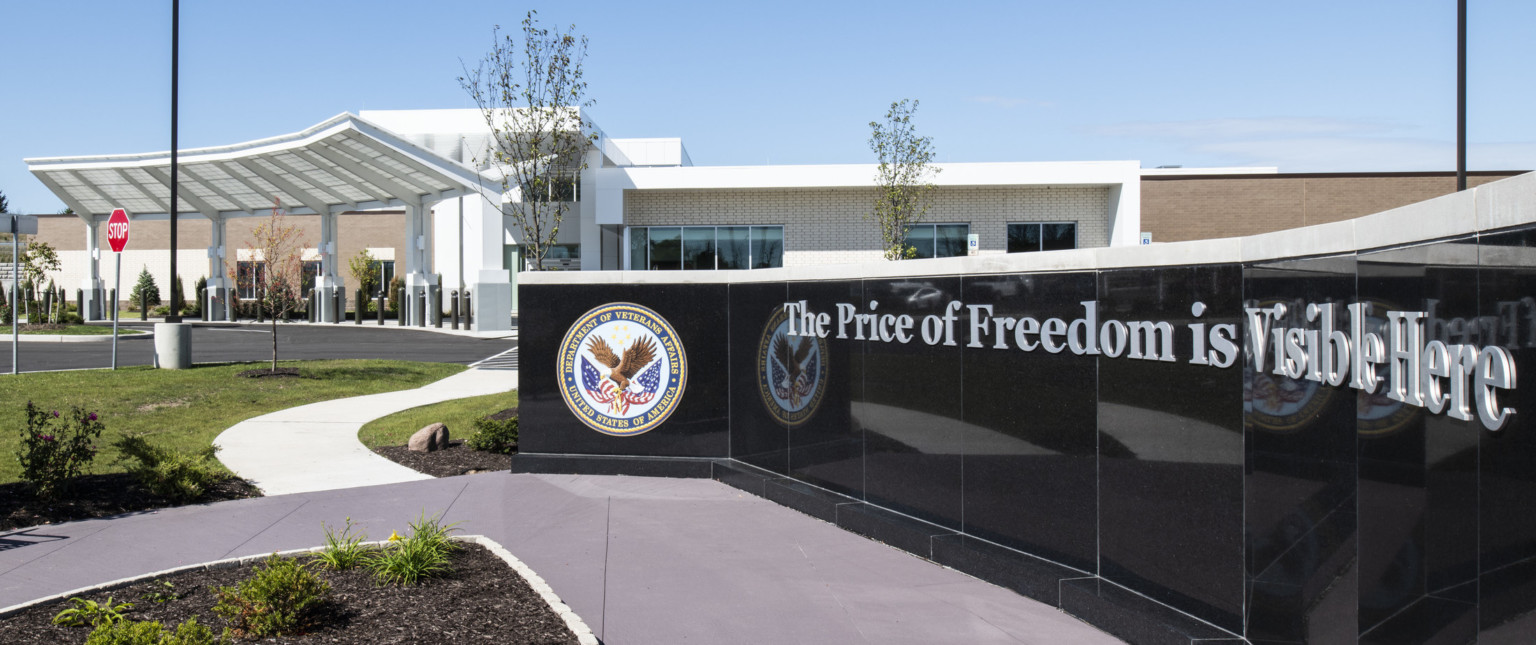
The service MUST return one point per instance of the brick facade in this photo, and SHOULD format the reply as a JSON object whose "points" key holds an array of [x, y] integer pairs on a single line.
{"points": [[1175, 208], [827, 226]]}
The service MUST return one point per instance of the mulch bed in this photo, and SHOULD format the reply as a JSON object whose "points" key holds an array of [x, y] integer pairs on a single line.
{"points": [[456, 459], [482, 601], [95, 496]]}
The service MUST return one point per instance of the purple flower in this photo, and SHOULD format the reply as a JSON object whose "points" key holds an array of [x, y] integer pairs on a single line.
{"points": [[92, 416], [55, 414], [46, 437]]}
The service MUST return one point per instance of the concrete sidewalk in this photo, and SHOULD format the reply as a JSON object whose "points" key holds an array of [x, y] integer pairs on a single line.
{"points": [[315, 447], [642, 560]]}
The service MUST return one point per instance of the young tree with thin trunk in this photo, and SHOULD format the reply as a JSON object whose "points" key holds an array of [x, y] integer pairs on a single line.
{"points": [[282, 253], [531, 93], [904, 178]]}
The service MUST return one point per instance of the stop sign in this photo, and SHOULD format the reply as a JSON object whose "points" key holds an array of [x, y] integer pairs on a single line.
{"points": [[117, 230]]}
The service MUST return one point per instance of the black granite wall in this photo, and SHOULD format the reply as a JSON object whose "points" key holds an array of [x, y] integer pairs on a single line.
{"points": [[1272, 509]]}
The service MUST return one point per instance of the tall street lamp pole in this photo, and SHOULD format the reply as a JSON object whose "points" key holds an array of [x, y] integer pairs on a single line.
{"points": [[1461, 95], [175, 314]]}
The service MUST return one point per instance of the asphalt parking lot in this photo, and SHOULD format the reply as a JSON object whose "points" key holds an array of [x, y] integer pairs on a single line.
{"points": [[253, 342]]}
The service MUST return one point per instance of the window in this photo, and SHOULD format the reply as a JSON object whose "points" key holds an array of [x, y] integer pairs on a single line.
{"points": [[559, 257], [249, 273], [657, 248], [1043, 236], [938, 240], [385, 270], [556, 189], [311, 272]]}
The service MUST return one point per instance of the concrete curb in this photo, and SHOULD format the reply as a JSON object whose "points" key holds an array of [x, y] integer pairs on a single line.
{"points": [[368, 324], [572, 621], [62, 338], [584, 634]]}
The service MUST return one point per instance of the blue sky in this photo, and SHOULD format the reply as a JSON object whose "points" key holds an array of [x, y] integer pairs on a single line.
{"points": [[1307, 86]]}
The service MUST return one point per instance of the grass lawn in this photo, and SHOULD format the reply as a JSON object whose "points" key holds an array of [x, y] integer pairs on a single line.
{"points": [[186, 409], [459, 415], [82, 330]]}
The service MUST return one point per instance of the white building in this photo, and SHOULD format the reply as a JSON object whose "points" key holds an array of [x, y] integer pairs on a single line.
{"points": [[640, 204]]}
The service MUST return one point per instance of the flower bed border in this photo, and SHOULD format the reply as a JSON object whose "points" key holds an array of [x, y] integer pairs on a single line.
{"points": [[579, 627]]}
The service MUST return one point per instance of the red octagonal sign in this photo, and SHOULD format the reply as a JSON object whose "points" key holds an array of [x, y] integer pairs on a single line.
{"points": [[117, 230]]}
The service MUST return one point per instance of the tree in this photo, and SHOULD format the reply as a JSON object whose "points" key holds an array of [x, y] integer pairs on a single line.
{"points": [[5, 204], [282, 250], [365, 272], [178, 293], [146, 288], [531, 93], [904, 179], [37, 261]]}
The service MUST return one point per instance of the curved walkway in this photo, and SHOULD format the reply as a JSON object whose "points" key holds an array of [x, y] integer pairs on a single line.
{"points": [[315, 447], [642, 560]]}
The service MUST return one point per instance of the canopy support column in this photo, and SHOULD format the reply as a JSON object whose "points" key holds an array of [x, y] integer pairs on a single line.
{"points": [[329, 280], [91, 283], [216, 299], [418, 278], [491, 288]]}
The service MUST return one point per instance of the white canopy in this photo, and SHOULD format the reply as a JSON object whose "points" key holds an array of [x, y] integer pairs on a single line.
{"points": [[342, 164]]}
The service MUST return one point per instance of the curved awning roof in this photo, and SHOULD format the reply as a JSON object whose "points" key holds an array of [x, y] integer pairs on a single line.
{"points": [[342, 164]]}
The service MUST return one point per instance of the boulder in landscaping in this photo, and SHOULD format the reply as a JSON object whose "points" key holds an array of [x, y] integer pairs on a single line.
{"points": [[428, 439]]}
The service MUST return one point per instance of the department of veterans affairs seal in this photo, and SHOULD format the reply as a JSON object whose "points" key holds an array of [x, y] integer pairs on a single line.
{"points": [[791, 371], [622, 369]]}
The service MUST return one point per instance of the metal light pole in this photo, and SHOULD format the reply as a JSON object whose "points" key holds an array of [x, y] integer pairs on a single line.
{"points": [[1461, 95], [15, 292], [175, 314]]}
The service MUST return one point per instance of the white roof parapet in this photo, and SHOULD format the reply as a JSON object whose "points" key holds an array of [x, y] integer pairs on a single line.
{"points": [[1418, 230], [1080, 173], [342, 163]]}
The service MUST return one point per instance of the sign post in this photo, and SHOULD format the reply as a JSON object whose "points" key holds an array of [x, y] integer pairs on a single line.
{"points": [[117, 236]]}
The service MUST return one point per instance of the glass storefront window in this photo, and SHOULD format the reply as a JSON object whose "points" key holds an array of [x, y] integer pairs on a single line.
{"points": [[638, 243], [733, 244], [1046, 236], [698, 248], [666, 248], [767, 247], [920, 237], [949, 239], [938, 240], [1057, 237], [706, 247]]}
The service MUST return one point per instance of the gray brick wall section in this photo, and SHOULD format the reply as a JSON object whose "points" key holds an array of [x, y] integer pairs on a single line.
{"points": [[827, 226]]}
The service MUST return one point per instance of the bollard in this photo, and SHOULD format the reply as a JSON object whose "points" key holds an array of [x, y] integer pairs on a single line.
{"points": [[312, 305], [469, 310], [419, 307], [143, 307], [437, 306], [400, 304], [341, 306], [381, 308], [80, 302], [453, 307], [362, 307]]}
